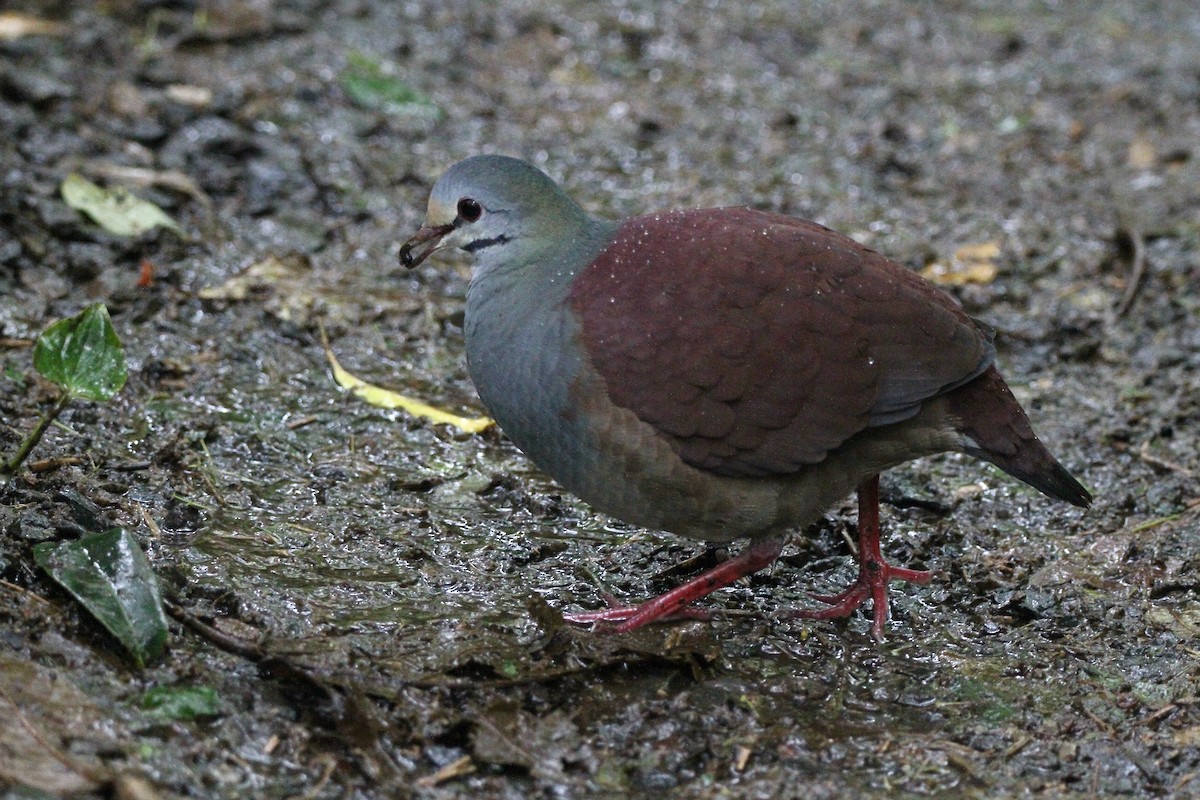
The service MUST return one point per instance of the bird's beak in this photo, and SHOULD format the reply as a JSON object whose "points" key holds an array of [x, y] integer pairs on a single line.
{"points": [[423, 244]]}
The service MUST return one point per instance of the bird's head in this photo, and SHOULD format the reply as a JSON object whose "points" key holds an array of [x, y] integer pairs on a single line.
{"points": [[497, 208]]}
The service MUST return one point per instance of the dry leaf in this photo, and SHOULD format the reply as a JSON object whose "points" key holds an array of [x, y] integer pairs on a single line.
{"points": [[259, 278], [1188, 737], [1184, 621], [171, 179], [115, 209], [1141, 153], [188, 95], [971, 263], [14, 26]]}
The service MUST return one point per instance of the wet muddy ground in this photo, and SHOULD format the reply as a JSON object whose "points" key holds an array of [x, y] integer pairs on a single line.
{"points": [[373, 600]]}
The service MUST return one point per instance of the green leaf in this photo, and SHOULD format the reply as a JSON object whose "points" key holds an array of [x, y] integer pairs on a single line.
{"points": [[116, 209], [369, 86], [83, 355], [110, 576], [182, 702]]}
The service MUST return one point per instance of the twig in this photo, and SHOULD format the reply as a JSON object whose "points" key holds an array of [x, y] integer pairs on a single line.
{"points": [[1169, 708], [1137, 269], [1020, 744], [57, 462], [24, 591], [139, 176], [1162, 463], [328, 764], [155, 531], [1184, 781], [230, 644], [455, 769]]}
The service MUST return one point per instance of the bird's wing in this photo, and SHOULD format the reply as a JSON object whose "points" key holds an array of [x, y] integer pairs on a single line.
{"points": [[757, 343]]}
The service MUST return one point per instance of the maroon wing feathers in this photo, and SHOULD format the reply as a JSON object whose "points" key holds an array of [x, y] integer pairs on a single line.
{"points": [[757, 343]]}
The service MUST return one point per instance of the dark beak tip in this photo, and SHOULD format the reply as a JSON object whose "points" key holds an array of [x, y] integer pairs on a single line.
{"points": [[427, 236]]}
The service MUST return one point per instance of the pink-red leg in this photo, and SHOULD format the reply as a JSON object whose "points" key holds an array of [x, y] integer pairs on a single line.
{"points": [[873, 572], [757, 555]]}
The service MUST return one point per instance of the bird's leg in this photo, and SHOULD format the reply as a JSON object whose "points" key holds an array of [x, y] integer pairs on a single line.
{"points": [[873, 572], [757, 555]]}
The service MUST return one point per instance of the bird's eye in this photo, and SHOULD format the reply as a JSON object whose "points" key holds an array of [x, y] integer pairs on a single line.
{"points": [[469, 210]]}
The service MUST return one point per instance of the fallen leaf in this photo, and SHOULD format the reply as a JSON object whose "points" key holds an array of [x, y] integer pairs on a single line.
{"points": [[385, 398], [971, 263], [1183, 621], [182, 702], [14, 26], [111, 577], [507, 735], [1188, 737], [145, 274], [116, 209], [259, 278], [369, 85], [171, 179], [1141, 153], [187, 95], [284, 285]]}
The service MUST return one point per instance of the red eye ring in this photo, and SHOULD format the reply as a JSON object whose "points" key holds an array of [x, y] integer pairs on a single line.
{"points": [[469, 209]]}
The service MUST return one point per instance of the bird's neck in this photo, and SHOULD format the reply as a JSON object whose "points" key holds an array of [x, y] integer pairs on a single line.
{"points": [[522, 339], [540, 272]]}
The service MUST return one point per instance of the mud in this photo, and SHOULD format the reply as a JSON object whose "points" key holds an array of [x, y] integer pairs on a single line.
{"points": [[374, 600]]}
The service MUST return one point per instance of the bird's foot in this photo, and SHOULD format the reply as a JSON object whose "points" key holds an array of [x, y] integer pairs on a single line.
{"points": [[873, 578], [617, 617], [678, 602]]}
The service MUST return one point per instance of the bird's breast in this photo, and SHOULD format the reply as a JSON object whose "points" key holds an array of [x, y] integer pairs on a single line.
{"points": [[523, 355], [532, 372]]}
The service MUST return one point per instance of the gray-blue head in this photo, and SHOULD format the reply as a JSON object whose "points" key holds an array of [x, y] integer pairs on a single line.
{"points": [[497, 208]]}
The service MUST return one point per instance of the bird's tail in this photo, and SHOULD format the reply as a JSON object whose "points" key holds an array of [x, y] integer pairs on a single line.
{"points": [[999, 431]]}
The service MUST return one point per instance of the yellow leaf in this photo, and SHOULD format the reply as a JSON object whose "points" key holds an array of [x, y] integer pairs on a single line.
{"points": [[385, 398], [971, 263]]}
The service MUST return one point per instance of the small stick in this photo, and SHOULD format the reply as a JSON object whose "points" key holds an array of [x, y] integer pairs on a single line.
{"points": [[1137, 270]]}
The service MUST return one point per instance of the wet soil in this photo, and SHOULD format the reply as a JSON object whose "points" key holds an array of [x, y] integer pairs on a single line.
{"points": [[374, 599]]}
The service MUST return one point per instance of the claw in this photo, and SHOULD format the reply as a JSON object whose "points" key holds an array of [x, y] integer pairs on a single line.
{"points": [[873, 572], [677, 602]]}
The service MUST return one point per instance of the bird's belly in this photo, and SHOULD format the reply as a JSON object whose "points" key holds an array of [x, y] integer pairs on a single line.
{"points": [[531, 374]]}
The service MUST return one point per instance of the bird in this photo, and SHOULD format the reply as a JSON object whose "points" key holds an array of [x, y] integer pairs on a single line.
{"points": [[722, 374]]}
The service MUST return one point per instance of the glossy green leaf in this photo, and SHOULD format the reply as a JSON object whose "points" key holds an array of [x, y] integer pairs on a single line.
{"points": [[182, 702], [83, 355], [110, 576]]}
